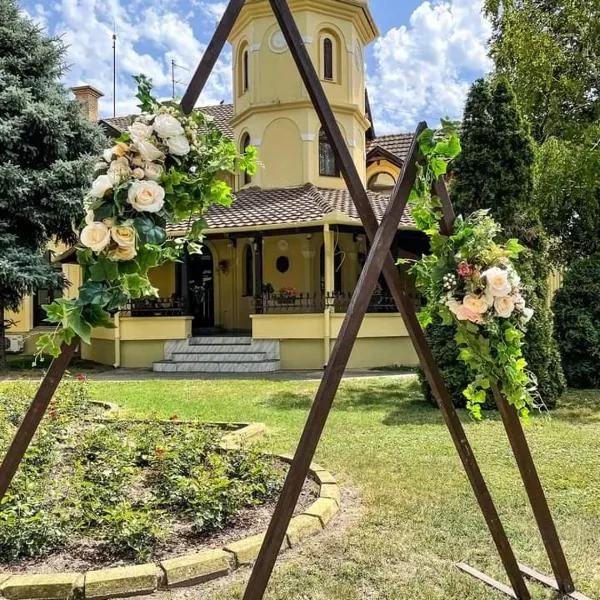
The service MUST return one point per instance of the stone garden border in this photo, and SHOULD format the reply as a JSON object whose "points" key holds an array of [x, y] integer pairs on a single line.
{"points": [[186, 570]]}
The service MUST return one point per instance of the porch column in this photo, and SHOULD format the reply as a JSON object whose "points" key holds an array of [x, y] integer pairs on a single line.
{"points": [[185, 282], [258, 272], [329, 255]]}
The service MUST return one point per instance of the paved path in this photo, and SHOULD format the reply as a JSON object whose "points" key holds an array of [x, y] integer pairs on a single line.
{"points": [[146, 374]]}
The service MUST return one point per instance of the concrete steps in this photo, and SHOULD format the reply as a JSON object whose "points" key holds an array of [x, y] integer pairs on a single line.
{"points": [[220, 354]]}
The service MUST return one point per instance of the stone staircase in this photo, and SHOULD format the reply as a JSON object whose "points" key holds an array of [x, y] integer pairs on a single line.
{"points": [[220, 354]]}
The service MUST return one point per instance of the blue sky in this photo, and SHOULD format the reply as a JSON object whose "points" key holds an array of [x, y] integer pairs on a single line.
{"points": [[420, 68]]}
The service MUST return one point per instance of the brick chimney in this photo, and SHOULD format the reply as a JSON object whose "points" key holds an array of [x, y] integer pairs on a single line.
{"points": [[87, 96]]}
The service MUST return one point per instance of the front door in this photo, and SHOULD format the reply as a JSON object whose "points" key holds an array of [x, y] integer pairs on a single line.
{"points": [[202, 289]]}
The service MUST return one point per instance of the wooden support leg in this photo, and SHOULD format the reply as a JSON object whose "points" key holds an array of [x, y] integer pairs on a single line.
{"points": [[34, 416], [535, 492]]}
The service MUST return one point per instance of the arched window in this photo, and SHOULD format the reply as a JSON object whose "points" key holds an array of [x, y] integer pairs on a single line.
{"points": [[245, 143], [243, 69], [328, 59], [248, 271], [328, 166], [246, 71]]}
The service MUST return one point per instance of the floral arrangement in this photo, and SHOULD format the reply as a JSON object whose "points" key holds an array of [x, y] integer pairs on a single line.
{"points": [[471, 279], [164, 168], [287, 294]]}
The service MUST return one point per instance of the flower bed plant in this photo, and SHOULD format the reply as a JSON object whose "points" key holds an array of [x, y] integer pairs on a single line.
{"points": [[118, 489]]}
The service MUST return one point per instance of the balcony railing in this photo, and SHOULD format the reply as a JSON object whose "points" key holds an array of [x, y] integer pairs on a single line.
{"points": [[156, 307], [305, 303]]}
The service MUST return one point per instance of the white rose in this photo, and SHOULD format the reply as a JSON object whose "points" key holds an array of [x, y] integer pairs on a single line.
{"points": [[119, 170], [178, 145], [89, 216], [140, 131], [100, 166], [519, 302], [124, 236], [167, 126], [122, 253], [95, 236], [153, 171], [101, 185], [527, 314], [148, 151], [107, 155], [504, 306], [138, 173], [137, 161], [475, 304], [146, 196], [497, 282]]}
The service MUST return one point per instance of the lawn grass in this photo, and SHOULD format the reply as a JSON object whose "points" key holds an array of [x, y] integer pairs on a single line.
{"points": [[417, 515]]}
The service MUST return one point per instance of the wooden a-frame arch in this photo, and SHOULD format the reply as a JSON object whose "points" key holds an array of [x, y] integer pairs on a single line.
{"points": [[379, 261]]}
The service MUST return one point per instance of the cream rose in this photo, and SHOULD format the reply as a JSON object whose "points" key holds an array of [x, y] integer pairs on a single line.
{"points": [[122, 253], [167, 126], [95, 236], [475, 304], [119, 170], [140, 131], [153, 171], [148, 151], [179, 145], [462, 313], [146, 196], [504, 305], [137, 161], [138, 173], [100, 186], [497, 282], [121, 149], [124, 236]]}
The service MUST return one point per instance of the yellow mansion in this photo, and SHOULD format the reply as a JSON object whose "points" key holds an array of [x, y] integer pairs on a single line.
{"points": [[279, 266]]}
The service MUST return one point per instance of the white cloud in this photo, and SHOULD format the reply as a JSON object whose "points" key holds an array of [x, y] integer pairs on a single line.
{"points": [[150, 34], [423, 70]]}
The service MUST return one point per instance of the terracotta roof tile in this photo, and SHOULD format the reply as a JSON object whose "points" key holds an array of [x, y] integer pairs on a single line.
{"points": [[222, 113], [258, 207], [397, 144]]}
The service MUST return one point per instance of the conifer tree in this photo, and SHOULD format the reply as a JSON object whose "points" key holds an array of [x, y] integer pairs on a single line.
{"points": [[46, 159], [495, 172]]}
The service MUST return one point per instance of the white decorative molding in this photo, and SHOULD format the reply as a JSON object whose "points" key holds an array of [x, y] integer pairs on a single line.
{"points": [[255, 47], [352, 143], [307, 39], [308, 137], [255, 141]]}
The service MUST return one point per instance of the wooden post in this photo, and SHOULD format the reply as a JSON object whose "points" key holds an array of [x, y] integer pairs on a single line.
{"points": [[34, 416]]}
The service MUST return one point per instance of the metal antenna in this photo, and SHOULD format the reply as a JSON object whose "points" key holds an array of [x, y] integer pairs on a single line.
{"points": [[114, 46], [174, 81]]}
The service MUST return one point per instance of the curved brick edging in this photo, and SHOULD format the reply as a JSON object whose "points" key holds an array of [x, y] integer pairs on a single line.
{"points": [[186, 570]]}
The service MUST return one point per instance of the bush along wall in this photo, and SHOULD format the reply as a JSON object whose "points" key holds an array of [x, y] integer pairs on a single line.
{"points": [[577, 319]]}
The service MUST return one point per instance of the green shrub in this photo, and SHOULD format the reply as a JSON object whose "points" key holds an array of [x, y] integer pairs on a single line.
{"points": [[577, 319], [119, 483]]}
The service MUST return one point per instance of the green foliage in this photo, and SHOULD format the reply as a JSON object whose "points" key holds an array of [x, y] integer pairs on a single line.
{"points": [[550, 51], [494, 172], [567, 194], [122, 484], [164, 168], [577, 317], [46, 149]]}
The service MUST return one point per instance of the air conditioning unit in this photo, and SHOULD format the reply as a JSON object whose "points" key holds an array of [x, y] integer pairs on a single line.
{"points": [[14, 343]]}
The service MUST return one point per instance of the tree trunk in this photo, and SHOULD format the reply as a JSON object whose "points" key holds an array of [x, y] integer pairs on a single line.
{"points": [[3, 362]]}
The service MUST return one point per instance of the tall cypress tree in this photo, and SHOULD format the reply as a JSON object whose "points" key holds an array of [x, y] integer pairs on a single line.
{"points": [[46, 159], [495, 172]]}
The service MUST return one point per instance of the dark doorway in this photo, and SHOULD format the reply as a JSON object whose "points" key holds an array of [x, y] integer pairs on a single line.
{"points": [[202, 289]]}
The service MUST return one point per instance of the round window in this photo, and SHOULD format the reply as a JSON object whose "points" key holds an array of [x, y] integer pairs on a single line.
{"points": [[283, 264], [277, 42]]}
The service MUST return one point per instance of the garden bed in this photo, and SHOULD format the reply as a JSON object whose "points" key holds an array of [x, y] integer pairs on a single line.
{"points": [[95, 492]]}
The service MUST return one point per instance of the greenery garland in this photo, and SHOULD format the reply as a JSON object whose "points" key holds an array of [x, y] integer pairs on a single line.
{"points": [[165, 168], [472, 280]]}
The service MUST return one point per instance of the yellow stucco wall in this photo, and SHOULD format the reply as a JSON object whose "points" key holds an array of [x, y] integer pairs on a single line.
{"points": [[275, 109], [163, 278], [382, 340], [382, 166]]}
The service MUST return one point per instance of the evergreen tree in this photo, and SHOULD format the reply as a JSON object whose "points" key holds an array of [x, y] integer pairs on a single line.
{"points": [[495, 171], [46, 159]]}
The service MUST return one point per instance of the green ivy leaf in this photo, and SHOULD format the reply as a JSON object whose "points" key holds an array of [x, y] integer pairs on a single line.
{"points": [[149, 231], [94, 292], [104, 270]]}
